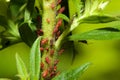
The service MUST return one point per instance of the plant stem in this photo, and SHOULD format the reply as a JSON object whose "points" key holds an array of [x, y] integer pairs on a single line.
{"points": [[48, 24]]}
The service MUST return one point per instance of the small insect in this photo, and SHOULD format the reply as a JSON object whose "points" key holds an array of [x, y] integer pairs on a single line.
{"points": [[44, 41], [53, 6], [41, 49], [42, 65], [48, 21], [51, 42], [55, 30], [52, 74], [61, 51], [47, 60], [58, 33], [61, 10], [47, 49], [59, 1], [59, 23], [51, 52], [56, 62], [45, 73], [40, 32], [55, 68]]}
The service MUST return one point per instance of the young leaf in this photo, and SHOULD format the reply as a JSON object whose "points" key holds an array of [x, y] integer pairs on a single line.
{"points": [[94, 19], [98, 34], [29, 10], [22, 71], [73, 74], [30, 5], [3, 21], [27, 16], [78, 5], [27, 35], [35, 59], [64, 17]]}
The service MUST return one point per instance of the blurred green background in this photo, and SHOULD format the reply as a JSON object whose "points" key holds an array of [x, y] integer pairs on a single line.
{"points": [[103, 55]]}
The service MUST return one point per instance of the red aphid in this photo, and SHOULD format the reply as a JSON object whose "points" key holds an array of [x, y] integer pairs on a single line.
{"points": [[61, 10], [59, 23], [48, 20], [50, 69], [40, 32], [47, 60], [45, 73], [61, 51], [55, 68], [51, 42], [38, 18], [44, 41], [52, 74], [51, 52], [53, 5], [47, 49], [58, 33], [56, 62], [59, 1], [41, 49], [42, 65], [55, 30]]}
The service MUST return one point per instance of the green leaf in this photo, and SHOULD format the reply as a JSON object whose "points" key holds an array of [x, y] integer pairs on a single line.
{"points": [[3, 21], [73, 74], [30, 5], [78, 5], [35, 59], [13, 29], [27, 16], [27, 35], [29, 10], [22, 71], [94, 19], [64, 17], [107, 33], [3, 8]]}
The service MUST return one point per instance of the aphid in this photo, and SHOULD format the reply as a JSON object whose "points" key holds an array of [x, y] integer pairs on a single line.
{"points": [[55, 30], [59, 1], [38, 18], [58, 33], [51, 52], [61, 51], [61, 10], [56, 62], [52, 74], [55, 68], [48, 21], [59, 23], [42, 65], [50, 69], [44, 41], [40, 32], [47, 49], [41, 49], [45, 73], [51, 42], [53, 6], [47, 60]]}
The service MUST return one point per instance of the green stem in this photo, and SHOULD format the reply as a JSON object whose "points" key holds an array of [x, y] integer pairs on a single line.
{"points": [[48, 24], [70, 28]]}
